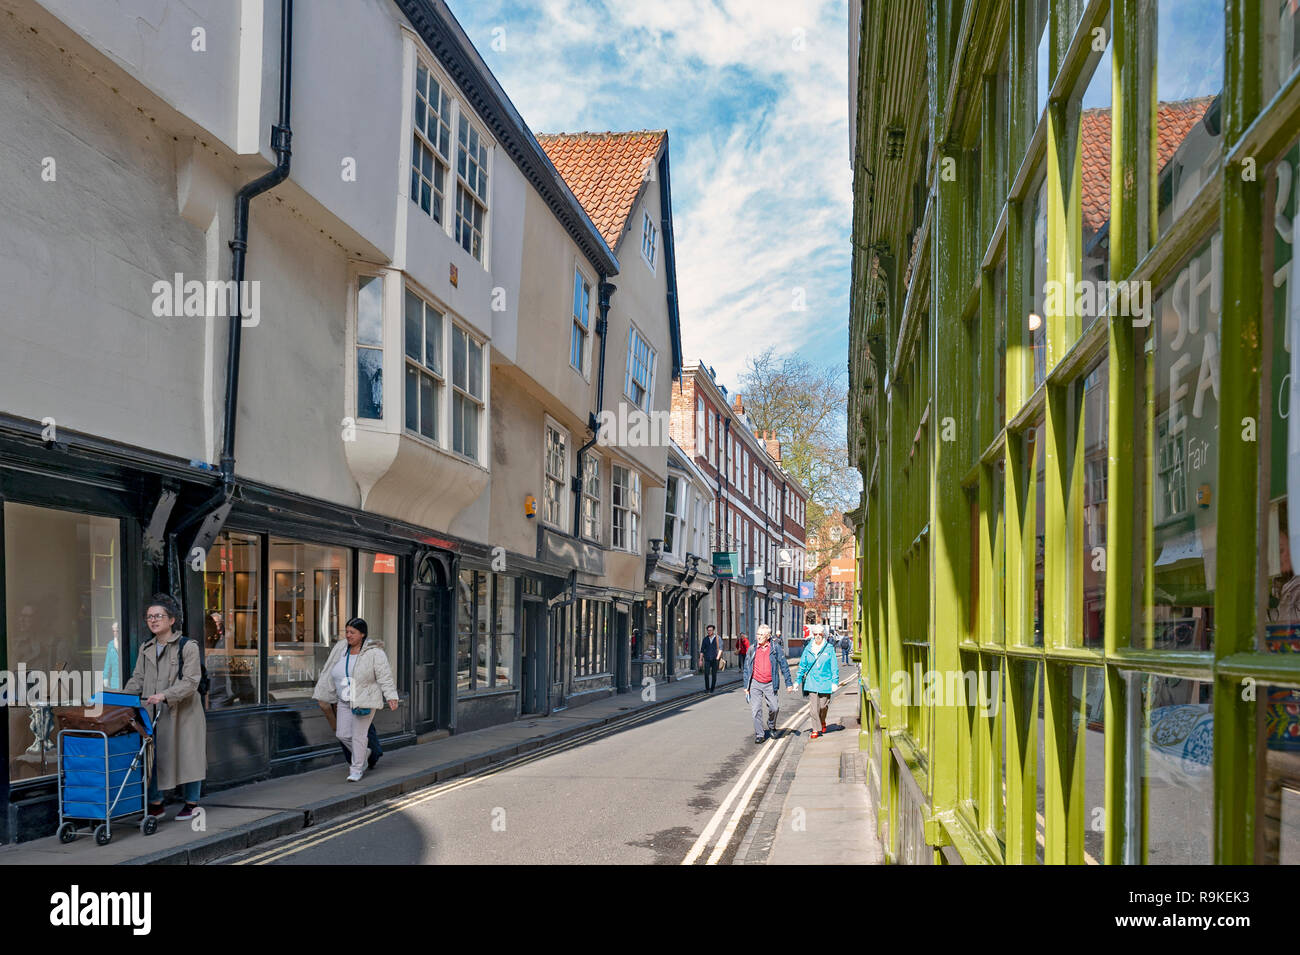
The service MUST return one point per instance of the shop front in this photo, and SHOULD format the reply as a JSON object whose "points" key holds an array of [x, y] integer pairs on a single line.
{"points": [[86, 539]]}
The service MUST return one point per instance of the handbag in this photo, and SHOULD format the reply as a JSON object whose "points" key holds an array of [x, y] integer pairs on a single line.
{"points": [[803, 678]]}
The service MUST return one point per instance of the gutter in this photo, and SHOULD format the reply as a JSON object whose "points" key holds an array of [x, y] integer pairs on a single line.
{"points": [[281, 136], [605, 291]]}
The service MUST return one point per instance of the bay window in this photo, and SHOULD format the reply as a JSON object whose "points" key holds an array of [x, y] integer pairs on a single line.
{"points": [[471, 187], [674, 511], [423, 366], [431, 146], [467, 392], [370, 347]]}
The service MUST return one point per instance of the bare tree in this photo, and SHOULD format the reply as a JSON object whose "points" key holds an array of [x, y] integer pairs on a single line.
{"points": [[807, 407]]}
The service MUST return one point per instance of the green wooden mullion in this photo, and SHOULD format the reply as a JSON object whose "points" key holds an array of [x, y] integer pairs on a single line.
{"points": [[1058, 764], [1238, 521], [1127, 82]]}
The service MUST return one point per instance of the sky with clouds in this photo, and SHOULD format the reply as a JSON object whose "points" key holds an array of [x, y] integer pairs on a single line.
{"points": [[754, 95]]}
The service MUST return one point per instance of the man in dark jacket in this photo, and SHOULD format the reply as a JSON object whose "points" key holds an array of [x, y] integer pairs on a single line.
{"points": [[759, 679], [710, 652]]}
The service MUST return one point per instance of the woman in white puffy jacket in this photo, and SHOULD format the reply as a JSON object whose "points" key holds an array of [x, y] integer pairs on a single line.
{"points": [[356, 679]]}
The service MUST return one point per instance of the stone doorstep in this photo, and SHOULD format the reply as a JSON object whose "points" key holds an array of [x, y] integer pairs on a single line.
{"points": [[350, 799]]}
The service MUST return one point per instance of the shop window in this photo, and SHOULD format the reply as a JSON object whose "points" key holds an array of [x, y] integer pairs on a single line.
{"points": [[1280, 23], [377, 603], [485, 631], [1189, 89], [232, 626], [63, 624], [1094, 139], [370, 347], [1095, 406], [1278, 795], [1179, 351], [310, 597], [1174, 751], [1087, 747]]}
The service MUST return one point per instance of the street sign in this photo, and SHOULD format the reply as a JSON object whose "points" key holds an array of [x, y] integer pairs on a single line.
{"points": [[726, 563], [807, 589]]}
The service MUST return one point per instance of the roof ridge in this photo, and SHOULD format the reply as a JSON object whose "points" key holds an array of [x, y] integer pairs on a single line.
{"points": [[605, 134]]}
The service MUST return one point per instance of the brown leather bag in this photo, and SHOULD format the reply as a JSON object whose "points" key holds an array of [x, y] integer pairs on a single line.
{"points": [[110, 720]]}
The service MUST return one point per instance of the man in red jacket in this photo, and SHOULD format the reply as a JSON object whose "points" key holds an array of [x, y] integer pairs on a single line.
{"points": [[759, 678]]}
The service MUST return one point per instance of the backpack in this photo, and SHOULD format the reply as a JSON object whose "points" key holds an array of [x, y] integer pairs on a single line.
{"points": [[204, 684]]}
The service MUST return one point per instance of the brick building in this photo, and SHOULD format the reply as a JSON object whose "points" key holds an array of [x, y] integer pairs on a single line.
{"points": [[760, 510]]}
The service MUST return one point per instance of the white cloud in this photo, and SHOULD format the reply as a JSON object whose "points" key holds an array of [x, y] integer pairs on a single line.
{"points": [[758, 123]]}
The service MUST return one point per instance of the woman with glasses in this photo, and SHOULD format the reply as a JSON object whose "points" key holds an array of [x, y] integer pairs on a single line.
{"points": [[167, 674]]}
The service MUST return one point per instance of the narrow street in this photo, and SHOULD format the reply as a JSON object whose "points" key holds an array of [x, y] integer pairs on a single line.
{"points": [[678, 785]]}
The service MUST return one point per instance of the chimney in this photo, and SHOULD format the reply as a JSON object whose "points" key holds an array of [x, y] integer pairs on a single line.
{"points": [[738, 405], [773, 446]]}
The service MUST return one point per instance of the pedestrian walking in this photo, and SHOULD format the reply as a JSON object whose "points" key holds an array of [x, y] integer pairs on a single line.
{"points": [[168, 671], [353, 685], [759, 678], [846, 644], [819, 675], [710, 654], [742, 648]]}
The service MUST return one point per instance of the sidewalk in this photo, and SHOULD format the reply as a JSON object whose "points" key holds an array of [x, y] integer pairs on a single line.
{"points": [[827, 817], [238, 818]]}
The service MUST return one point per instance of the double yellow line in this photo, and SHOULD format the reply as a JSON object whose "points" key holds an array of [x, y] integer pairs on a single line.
{"points": [[311, 839]]}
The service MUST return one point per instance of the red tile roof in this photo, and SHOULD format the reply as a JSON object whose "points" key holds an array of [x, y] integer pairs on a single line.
{"points": [[605, 172], [1174, 122]]}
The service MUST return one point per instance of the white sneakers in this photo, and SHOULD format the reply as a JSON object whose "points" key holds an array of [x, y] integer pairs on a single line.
{"points": [[354, 777]]}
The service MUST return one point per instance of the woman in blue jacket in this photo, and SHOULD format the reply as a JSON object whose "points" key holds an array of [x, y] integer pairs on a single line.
{"points": [[819, 675]]}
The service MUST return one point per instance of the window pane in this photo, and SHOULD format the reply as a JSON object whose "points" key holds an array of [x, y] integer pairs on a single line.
{"points": [[370, 383], [377, 602], [370, 310], [309, 604], [1087, 744], [412, 399], [433, 341], [1036, 322], [1096, 445], [1176, 740], [503, 634], [1189, 81], [1094, 147], [428, 409], [465, 603], [458, 342], [414, 318], [63, 590], [1041, 58], [1281, 48], [475, 369], [1178, 359], [232, 591], [483, 622]]}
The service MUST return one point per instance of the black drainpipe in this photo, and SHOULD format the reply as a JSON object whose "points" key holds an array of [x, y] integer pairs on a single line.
{"points": [[280, 140], [605, 291]]}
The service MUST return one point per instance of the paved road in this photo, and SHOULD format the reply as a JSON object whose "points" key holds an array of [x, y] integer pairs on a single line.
{"points": [[659, 788]]}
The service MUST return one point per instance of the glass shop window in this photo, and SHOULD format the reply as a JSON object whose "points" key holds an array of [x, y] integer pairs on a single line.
{"points": [[1177, 450], [377, 602], [63, 623], [310, 594], [232, 629]]}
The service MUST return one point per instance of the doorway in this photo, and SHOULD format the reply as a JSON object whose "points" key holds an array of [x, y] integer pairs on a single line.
{"points": [[533, 682]]}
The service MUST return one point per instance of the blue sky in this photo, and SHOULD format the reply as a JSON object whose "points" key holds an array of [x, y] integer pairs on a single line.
{"points": [[754, 96]]}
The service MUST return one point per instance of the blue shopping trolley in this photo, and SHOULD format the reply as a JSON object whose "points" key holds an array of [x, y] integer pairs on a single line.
{"points": [[102, 777]]}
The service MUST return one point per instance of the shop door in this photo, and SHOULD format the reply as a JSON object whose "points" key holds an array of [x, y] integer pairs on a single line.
{"points": [[427, 615], [533, 682]]}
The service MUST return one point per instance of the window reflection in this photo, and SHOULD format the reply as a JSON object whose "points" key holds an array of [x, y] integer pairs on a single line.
{"points": [[1088, 743], [1094, 199], [1096, 446], [1281, 46], [1180, 352], [1189, 83], [310, 598], [1036, 319]]}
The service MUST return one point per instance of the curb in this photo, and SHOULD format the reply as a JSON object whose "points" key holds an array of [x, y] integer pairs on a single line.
{"points": [[286, 823]]}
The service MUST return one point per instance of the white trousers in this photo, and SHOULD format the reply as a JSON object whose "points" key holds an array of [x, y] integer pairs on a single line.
{"points": [[353, 731]]}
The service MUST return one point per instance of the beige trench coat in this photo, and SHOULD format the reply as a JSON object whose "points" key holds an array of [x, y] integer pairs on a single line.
{"points": [[180, 731]]}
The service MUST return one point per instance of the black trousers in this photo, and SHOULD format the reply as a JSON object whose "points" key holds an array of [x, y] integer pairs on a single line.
{"points": [[710, 674]]}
